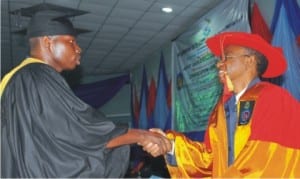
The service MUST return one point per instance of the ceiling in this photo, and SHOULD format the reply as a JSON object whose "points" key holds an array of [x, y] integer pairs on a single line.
{"points": [[123, 33]]}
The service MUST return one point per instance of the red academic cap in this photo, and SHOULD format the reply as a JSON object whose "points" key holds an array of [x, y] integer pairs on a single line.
{"points": [[276, 60]]}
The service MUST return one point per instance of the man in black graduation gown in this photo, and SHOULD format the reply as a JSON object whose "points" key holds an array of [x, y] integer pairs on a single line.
{"points": [[46, 131]]}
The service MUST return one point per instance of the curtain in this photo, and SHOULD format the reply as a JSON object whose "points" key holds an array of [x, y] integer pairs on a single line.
{"points": [[98, 93]]}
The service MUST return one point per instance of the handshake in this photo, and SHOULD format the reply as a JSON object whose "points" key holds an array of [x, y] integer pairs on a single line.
{"points": [[155, 142]]}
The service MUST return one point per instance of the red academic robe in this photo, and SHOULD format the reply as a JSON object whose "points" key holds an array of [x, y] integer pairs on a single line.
{"points": [[266, 139]]}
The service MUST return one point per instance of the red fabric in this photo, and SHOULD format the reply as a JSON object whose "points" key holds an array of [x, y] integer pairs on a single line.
{"points": [[151, 97], [276, 117], [276, 60], [298, 40], [258, 24]]}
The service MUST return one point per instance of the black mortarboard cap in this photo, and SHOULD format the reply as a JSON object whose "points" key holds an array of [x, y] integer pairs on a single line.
{"points": [[49, 19]]}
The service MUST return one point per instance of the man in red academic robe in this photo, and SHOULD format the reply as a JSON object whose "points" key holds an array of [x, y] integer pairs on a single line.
{"points": [[254, 129]]}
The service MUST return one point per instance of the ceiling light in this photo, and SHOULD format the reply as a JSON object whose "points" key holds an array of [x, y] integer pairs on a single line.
{"points": [[167, 9]]}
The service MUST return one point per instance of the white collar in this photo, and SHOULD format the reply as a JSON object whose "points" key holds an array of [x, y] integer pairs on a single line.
{"points": [[237, 96]]}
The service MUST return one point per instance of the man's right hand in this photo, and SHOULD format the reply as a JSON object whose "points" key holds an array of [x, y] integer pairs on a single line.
{"points": [[156, 143], [153, 142]]}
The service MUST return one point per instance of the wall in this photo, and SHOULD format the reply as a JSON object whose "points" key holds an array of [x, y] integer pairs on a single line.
{"points": [[118, 109]]}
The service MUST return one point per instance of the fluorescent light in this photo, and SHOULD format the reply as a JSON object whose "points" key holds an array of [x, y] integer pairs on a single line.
{"points": [[167, 9]]}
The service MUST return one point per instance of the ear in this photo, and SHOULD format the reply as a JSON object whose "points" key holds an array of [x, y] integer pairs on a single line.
{"points": [[252, 63], [251, 60], [46, 41]]}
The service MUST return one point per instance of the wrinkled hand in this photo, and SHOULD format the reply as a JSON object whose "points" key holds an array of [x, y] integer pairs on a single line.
{"points": [[155, 142]]}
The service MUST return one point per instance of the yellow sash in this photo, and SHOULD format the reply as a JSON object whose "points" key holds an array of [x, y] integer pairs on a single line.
{"points": [[8, 76]]}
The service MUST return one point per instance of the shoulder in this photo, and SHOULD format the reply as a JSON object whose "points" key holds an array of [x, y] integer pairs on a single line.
{"points": [[273, 88], [35, 77], [33, 69], [38, 72], [37, 69], [276, 93]]}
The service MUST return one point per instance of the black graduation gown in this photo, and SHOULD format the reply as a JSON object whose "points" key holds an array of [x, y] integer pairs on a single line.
{"points": [[46, 131]]}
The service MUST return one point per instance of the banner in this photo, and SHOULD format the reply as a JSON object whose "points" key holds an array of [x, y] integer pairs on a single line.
{"points": [[151, 103], [286, 28], [161, 110], [259, 25], [143, 118], [196, 86], [135, 107]]}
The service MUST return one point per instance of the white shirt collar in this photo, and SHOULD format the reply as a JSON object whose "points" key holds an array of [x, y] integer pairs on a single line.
{"points": [[253, 82], [237, 96]]}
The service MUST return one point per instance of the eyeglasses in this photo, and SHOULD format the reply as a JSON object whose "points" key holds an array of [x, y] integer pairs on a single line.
{"points": [[227, 57]]}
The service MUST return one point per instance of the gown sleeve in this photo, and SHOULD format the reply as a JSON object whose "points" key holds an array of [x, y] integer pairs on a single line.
{"points": [[193, 159]]}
